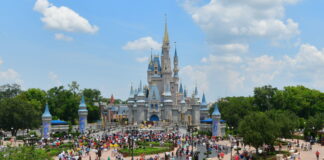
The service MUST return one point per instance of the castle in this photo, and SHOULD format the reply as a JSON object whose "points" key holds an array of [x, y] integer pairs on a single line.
{"points": [[163, 98]]}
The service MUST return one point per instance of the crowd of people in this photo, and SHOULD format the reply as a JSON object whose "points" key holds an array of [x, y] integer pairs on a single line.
{"points": [[181, 147]]}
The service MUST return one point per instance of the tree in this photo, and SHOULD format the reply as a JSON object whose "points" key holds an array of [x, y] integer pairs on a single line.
{"points": [[17, 113], [63, 104], [93, 113], [35, 96], [313, 125], [9, 90], [264, 97], [257, 129], [92, 95], [286, 122], [233, 109], [74, 87], [303, 101]]}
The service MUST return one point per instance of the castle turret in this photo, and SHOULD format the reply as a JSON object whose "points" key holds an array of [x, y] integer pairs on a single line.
{"points": [[140, 103], [185, 92], [216, 116], [175, 64], [203, 101], [181, 89], [130, 103], [46, 119], [131, 96], [83, 115]]}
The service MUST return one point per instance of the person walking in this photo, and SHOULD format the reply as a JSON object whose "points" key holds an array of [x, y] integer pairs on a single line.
{"points": [[317, 154]]}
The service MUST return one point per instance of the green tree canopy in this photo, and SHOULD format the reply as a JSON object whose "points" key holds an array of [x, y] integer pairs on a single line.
{"points": [[234, 109], [63, 104], [286, 122], [264, 97], [9, 90], [258, 129], [17, 113]]}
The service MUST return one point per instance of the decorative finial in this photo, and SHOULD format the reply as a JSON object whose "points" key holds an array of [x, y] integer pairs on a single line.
{"points": [[166, 35]]}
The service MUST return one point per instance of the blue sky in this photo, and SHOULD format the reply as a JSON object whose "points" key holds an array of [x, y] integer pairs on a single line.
{"points": [[225, 46]]}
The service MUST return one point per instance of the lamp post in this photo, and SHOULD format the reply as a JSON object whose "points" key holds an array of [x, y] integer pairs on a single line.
{"points": [[133, 131], [192, 129], [232, 150]]}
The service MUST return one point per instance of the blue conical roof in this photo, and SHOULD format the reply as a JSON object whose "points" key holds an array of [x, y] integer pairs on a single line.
{"points": [[46, 112], [196, 92], [216, 111], [181, 89], [131, 94], [150, 66], [203, 100], [175, 54], [82, 103]]}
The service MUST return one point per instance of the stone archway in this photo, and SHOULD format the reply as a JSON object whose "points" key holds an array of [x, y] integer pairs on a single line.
{"points": [[154, 118]]}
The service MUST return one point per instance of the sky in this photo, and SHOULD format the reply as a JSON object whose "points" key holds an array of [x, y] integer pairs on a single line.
{"points": [[226, 47]]}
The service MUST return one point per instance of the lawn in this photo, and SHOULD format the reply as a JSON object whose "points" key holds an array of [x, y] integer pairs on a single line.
{"points": [[145, 151]]}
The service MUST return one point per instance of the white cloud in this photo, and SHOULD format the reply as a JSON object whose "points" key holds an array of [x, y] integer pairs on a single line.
{"points": [[231, 48], [63, 18], [223, 59], [9, 76], [63, 37], [142, 59], [54, 78], [233, 21], [220, 77], [144, 43]]}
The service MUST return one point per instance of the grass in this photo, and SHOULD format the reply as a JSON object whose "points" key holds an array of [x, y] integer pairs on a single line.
{"points": [[145, 151], [155, 144]]}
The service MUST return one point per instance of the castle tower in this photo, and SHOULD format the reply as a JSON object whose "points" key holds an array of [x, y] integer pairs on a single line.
{"points": [[83, 115], [46, 119], [216, 116], [166, 63], [130, 103], [165, 59], [167, 103], [150, 69], [140, 103]]}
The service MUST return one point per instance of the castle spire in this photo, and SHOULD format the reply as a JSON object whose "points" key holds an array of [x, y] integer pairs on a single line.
{"points": [[46, 112], [166, 34], [216, 111], [140, 90], [203, 101], [131, 93], [175, 62], [181, 89]]}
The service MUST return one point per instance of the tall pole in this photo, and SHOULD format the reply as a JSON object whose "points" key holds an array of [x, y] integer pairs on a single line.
{"points": [[192, 142]]}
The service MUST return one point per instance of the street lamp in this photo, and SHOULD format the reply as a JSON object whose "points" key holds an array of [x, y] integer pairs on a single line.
{"points": [[192, 129], [132, 139], [231, 150]]}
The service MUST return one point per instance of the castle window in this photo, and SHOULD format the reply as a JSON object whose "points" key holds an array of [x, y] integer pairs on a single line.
{"points": [[156, 106], [155, 72]]}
